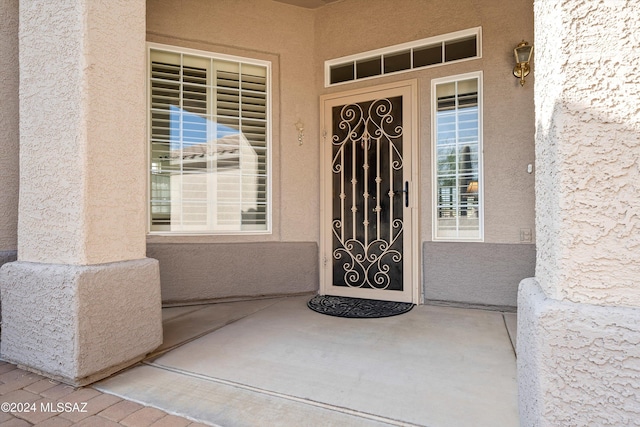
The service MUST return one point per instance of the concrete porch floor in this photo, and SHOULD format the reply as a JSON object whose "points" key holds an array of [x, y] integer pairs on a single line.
{"points": [[274, 362]]}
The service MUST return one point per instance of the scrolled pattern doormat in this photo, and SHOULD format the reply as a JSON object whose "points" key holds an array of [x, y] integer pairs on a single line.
{"points": [[357, 307]]}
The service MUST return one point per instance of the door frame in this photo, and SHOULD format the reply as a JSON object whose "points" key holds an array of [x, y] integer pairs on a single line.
{"points": [[408, 88]]}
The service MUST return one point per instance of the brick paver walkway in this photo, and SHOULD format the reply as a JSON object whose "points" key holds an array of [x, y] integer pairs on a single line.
{"points": [[28, 399]]}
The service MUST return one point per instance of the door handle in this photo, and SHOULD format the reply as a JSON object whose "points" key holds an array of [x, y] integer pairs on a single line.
{"points": [[406, 194]]}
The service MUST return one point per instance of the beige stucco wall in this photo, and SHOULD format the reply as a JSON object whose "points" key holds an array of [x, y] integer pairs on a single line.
{"points": [[588, 139], [292, 34], [9, 125], [299, 40], [355, 26], [282, 34], [82, 127]]}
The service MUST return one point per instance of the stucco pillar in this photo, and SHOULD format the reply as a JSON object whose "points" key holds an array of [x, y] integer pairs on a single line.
{"points": [[578, 334], [82, 300], [9, 125]]}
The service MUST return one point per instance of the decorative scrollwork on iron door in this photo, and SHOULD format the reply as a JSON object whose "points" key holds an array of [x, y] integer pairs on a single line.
{"points": [[367, 194]]}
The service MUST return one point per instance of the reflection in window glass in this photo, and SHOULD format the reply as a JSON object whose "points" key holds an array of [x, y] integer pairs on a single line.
{"points": [[342, 73], [368, 67], [457, 155], [208, 144], [397, 62], [460, 49], [429, 55]]}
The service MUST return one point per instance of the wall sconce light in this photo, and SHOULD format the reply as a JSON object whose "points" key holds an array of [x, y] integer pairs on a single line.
{"points": [[523, 54], [300, 128]]}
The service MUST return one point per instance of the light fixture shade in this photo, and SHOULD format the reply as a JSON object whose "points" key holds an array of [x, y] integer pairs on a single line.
{"points": [[523, 52]]}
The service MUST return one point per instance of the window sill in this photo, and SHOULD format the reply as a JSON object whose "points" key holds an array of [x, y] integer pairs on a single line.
{"points": [[159, 237]]}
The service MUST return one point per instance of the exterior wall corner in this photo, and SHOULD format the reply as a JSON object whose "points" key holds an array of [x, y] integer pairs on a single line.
{"points": [[575, 361]]}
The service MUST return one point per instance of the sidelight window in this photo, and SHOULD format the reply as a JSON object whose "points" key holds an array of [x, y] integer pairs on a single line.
{"points": [[457, 157]]}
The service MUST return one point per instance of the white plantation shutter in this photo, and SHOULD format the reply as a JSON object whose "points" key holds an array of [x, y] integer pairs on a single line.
{"points": [[209, 144]]}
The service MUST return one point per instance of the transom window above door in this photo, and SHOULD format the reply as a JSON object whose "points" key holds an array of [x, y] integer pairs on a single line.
{"points": [[209, 145], [429, 52]]}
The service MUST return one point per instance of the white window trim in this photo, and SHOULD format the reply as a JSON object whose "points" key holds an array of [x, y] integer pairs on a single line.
{"points": [[434, 169], [208, 54], [477, 31]]}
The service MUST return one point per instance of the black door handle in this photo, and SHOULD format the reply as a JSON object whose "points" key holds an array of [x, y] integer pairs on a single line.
{"points": [[406, 194]]}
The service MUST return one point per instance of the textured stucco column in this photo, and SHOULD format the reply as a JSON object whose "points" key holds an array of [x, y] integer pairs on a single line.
{"points": [[9, 125], [578, 334], [82, 301]]}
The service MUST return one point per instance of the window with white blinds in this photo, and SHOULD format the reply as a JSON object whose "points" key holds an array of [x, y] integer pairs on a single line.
{"points": [[209, 142], [457, 158]]}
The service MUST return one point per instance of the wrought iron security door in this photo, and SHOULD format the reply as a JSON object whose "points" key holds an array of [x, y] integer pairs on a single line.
{"points": [[369, 200]]}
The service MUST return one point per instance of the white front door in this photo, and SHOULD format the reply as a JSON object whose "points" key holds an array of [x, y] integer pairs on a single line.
{"points": [[369, 173]]}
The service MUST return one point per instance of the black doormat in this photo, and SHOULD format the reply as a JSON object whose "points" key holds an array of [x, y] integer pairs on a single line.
{"points": [[356, 307]]}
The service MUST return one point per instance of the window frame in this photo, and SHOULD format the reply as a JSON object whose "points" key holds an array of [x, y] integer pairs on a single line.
{"points": [[268, 138], [396, 49], [434, 156]]}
